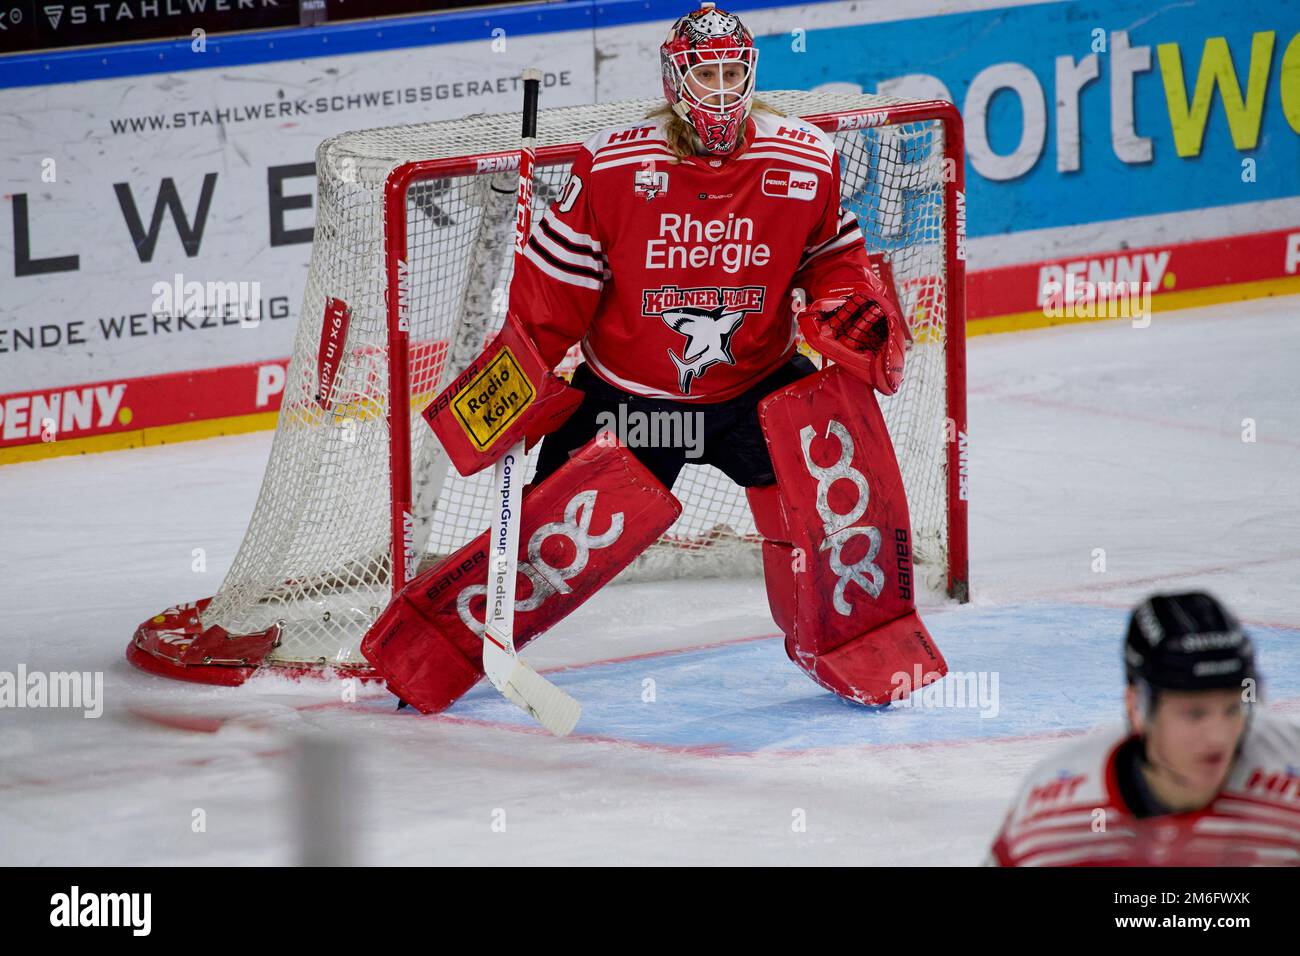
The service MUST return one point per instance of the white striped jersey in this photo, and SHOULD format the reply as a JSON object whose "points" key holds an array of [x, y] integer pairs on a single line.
{"points": [[676, 277], [1070, 811]]}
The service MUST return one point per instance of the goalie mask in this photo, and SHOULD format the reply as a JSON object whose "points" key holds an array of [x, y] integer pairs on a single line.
{"points": [[708, 63]]}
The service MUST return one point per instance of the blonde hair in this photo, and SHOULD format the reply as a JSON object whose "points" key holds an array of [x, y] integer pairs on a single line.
{"points": [[682, 139]]}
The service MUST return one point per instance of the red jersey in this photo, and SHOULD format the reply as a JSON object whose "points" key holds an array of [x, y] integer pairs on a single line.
{"points": [[1070, 811], [676, 276]]}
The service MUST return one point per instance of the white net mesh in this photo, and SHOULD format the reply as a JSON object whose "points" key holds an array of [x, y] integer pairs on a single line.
{"points": [[317, 555]]}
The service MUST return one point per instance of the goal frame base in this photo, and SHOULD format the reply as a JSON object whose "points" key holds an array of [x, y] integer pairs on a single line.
{"points": [[174, 644]]}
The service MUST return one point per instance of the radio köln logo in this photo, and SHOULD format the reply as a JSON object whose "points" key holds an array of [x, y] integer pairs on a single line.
{"points": [[707, 318], [789, 184]]}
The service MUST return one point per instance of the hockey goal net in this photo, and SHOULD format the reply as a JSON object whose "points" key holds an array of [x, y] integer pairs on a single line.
{"points": [[411, 263]]}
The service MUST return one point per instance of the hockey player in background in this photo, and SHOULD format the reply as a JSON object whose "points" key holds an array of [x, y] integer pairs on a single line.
{"points": [[1199, 778], [672, 255]]}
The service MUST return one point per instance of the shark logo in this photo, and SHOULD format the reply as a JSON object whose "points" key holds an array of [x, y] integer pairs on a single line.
{"points": [[708, 334]]}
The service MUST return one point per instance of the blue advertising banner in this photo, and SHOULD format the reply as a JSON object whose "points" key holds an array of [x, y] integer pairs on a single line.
{"points": [[1078, 112]]}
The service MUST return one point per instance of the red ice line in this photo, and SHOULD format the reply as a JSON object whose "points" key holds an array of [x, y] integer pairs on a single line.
{"points": [[210, 724]]}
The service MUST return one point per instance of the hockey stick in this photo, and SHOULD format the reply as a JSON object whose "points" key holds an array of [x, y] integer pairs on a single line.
{"points": [[551, 707]]}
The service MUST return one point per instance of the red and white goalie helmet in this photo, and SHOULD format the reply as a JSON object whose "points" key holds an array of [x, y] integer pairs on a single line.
{"points": [[709, 61]]}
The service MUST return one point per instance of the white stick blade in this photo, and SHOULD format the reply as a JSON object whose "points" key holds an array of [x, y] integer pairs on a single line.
{"points": [[498, 664], [551, 707]]}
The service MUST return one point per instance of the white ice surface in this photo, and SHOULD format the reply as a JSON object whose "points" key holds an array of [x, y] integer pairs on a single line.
{"points": [[1086, 437]]}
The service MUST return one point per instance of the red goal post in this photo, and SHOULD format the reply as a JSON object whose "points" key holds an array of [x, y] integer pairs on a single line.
{"points": [[396, 255]]}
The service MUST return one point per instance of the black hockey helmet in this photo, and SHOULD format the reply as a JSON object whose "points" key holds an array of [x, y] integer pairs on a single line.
{"points": [[1187, 642]]}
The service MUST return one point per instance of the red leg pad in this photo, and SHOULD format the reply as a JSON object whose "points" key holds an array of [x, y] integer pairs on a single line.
{"points": [[879, 667], [838, 557], [778, 553], [579, 528]]}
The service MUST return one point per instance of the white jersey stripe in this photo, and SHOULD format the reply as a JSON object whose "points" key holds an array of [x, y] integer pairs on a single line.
{"points": [[632, 158], [779, 149], [787, 158], [620, 149], [567, 255], [568, 232], [1068, 819], [1078, 855], [840, 242], [585, 282], [803, 149], [845, 221], [1226, 825], [1273, 814]]}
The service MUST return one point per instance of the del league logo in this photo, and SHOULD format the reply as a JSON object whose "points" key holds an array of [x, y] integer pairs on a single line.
{"points": [[789, 184]]}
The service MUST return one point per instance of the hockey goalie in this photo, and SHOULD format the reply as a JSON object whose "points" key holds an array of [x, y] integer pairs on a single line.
{"points": [[682, 253]]}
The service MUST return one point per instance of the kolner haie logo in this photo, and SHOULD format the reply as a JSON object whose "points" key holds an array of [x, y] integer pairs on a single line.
{"points": [[708, 317], [708, 340], [789, 184]]}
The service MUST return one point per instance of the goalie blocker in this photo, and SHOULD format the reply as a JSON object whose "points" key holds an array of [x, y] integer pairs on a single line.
{"points": [[506, 395]]}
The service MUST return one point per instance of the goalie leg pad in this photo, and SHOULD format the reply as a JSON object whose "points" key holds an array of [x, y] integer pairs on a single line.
{"points": [[779, 560], [579, 528], [837, 552]]}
